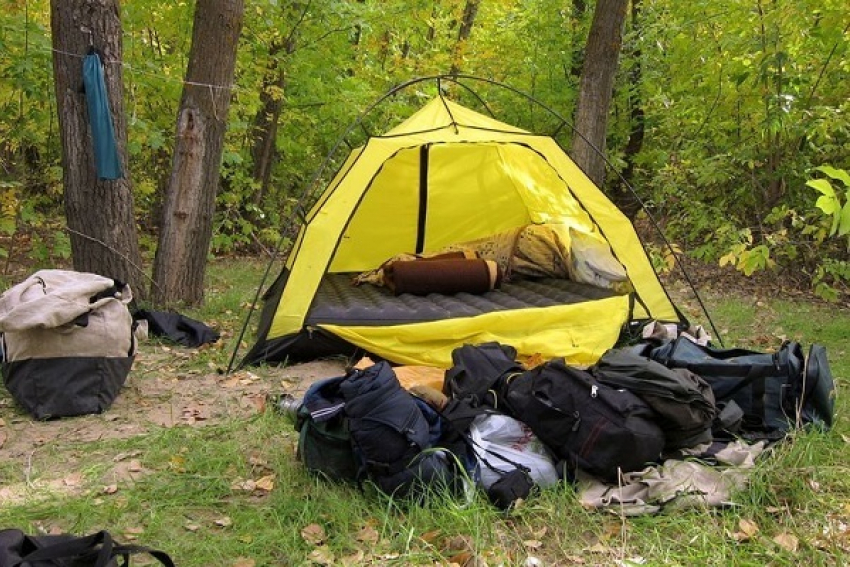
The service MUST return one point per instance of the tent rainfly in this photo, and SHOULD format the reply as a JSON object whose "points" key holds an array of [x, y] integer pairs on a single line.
{"points": [[444, 177]]}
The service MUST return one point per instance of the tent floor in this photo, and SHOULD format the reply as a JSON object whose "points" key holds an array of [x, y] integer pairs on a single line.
{"points": [[341, 303]]}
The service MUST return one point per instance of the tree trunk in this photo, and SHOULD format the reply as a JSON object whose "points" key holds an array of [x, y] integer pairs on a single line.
{"points": [[186, 232], [264, 130], [596, 88], [470, 11], [625, 198], [99, 212]]}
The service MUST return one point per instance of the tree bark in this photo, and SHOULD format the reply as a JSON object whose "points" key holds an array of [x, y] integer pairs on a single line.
{"points": [[267, 119], [470, 11], [624, 198], [184, 240], [596, 87], [99, 212]]}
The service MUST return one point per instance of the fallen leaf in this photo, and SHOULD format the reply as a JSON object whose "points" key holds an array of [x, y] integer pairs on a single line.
{"points": [[266, 483], [111, 489], [458, 543], [314, 533], [747, 529], [323, 556], [135, 466], [787, 542], [354, 559], [191, 527], [223, 522], [461, 558], [243, 485], [431, 537], [244, 562], [532, 544], [367, 534], [75, 479]]}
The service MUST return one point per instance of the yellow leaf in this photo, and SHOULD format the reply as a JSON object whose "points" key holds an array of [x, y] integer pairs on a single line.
{"points": [[266, 483], [787, 542]]}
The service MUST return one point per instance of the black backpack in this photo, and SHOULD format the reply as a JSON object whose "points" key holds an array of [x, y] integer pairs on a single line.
{"points": [[776, 391], [684, 402], [587, 424], [95, 550], [391, 432], [476, 369]]}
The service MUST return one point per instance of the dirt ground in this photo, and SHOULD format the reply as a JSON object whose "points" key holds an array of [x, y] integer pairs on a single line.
{"points": [[157, 394]]}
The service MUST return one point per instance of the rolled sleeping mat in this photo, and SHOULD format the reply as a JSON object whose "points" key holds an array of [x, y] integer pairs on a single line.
{"points": [[446, 276]]}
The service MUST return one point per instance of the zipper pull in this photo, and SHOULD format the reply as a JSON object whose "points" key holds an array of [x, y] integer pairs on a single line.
{"points": [[594, 389], [577, 422]]}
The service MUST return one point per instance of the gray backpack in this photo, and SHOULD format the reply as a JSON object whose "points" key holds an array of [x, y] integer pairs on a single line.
{"points": [[67, 342], [683, 402]]}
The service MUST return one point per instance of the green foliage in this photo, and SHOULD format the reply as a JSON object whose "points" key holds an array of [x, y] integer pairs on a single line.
{"points": [[740, 101], [832, 202]]}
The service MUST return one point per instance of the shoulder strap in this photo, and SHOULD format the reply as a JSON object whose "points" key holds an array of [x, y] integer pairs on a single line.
{"points": [[126, 550]]}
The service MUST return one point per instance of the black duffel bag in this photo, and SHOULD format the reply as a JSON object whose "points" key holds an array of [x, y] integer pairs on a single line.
{"points": [[773, 389], [590, 426]]}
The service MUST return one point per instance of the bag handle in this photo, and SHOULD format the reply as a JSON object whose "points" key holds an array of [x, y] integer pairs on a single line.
{"points": [[126, 550]]}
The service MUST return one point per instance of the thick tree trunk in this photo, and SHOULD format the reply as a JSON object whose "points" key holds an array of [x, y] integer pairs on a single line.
{"points": [[186, 232], [596, 88], [99, 212]]}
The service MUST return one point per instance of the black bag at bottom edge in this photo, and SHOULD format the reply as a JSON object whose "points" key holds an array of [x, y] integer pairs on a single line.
{"points": [[95, 550]]}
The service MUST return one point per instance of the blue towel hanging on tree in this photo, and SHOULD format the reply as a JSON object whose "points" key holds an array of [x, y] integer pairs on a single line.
{"points": [[106, 158]]}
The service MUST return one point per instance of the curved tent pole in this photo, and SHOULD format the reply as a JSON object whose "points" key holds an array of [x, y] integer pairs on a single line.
{"points": [[299, 212]]}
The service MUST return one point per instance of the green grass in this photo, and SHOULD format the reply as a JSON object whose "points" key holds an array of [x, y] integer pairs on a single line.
{"points": [[188, 495]]}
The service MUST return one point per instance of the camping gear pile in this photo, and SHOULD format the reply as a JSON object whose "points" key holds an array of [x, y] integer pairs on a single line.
{"points": [[507, 428]]}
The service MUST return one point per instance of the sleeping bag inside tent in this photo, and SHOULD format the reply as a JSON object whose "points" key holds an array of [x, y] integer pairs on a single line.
{"points": [[567, 269]]}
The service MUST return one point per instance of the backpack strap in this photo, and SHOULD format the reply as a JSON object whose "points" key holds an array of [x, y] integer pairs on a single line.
{"points": [[126, 551]]}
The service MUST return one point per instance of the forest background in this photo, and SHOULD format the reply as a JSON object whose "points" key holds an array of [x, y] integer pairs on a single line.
{"points": [[730, 120]]}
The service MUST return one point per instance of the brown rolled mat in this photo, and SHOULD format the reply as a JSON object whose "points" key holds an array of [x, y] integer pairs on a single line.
{"points": [[447, 276]]}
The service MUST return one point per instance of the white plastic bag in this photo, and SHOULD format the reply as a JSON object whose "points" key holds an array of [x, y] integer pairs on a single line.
{"points": [[495, 434]]}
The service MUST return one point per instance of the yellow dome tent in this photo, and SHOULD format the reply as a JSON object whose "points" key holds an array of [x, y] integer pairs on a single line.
{"points": [[449, 175]]}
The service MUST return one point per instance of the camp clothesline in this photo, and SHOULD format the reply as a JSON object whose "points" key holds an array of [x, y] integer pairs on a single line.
{"points": [[155, 75]]}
